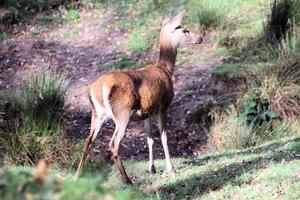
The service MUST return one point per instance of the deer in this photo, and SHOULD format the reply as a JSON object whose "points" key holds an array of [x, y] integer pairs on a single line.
{"points": [[142, 94]]}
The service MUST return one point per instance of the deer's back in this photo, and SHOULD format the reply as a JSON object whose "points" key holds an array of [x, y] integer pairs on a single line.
{"points": [[147, 90]]}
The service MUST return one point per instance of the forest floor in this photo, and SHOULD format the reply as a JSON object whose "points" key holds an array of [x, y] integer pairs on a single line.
{"points": [[82, 50]]}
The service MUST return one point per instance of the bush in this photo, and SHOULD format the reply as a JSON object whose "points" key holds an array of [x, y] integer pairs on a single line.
{"points": [[256, 112], [283, 14], [22, 9], [232, 130], [279, 84], [229, 131], [290, 45], [33, 118]]}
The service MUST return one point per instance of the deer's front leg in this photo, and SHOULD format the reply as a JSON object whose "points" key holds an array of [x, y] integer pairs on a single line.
{"points": [[162, 121], [150, 140]]}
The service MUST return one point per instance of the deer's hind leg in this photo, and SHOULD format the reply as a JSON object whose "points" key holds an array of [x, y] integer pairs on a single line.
{"points": [[96, 123], [120, 130]]}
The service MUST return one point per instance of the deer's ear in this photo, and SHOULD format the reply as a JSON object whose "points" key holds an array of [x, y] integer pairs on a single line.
{"points": [[176, 21], [166, 21]]}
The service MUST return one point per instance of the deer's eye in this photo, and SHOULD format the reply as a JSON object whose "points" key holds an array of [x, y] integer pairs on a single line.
{"points": [[178, 27], [185, 31]]}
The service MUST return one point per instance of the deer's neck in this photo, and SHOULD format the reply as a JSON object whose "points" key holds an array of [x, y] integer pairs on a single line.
{"points": [[167, 56]]}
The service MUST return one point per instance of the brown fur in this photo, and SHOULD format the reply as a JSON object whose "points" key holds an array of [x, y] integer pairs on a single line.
{"points": [[149, 89]]}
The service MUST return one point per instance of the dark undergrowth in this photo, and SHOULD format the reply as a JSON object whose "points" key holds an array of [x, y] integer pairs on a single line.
{"points": [[32, 120]]}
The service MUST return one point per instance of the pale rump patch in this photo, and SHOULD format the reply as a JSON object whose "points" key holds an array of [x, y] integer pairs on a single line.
{"points": [[98, 108], [105, 96]]}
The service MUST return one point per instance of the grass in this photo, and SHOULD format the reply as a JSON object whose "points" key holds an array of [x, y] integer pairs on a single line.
{"points": [[33, 118], [253, 52], [233, 130], [279, 24], [35, 32], [267, 171], [3, 36], [240, 62], [143, 19], [226, 175], [46, 19], [136, 43], [279, 83], [25, 9], [124, 62], [37, 183], [210, 14], [73, 15], [73, 32]]}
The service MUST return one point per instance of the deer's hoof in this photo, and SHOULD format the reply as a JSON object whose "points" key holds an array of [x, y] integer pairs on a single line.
{"points": [[76, 177], [152, 170], [128, 181], [172, 173]]}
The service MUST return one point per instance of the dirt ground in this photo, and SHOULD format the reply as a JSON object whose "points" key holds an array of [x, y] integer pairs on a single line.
{"points": [[80, 50]]}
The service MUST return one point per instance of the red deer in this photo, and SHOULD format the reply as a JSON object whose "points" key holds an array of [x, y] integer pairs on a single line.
{"points": [[145, 93]]}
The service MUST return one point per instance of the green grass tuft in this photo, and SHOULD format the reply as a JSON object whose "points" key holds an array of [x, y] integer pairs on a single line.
{"points": [[35, 32], [3, 36], [210, 14], [136, 43], [73, 15], [122, 62], [279, 24], [46, 19], [34, 118]]}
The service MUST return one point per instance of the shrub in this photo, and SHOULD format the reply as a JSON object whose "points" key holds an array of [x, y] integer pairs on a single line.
{"points": [[290, 45], [229, 131], [33, 118], [255, 112], [6, 18], [283, 14], [279, 84], [23, 9]]}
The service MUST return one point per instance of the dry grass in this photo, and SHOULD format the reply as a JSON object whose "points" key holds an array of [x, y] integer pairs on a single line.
{"points": [[280, 86], [228, 131], [32, 119]]}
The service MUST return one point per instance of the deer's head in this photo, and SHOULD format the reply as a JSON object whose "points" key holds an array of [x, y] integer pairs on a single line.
{"points": [[172, 33]]}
